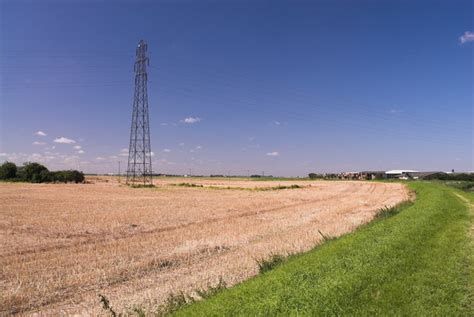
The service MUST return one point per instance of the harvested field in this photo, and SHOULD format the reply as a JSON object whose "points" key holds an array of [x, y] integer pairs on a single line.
{"points": [[62, 245]]}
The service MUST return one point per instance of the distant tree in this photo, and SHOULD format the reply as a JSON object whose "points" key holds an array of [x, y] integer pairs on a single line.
{"points": [[77, 177], [313, 175], [8, 170], [72, 176], [255, 176], [33, 172], [37, 173], [44, 176], [330, 176]]}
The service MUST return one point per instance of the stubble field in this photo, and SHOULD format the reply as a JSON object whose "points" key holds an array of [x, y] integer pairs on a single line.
{"points": [[62, 245]]}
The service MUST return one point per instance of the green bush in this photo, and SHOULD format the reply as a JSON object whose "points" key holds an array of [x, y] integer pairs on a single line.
{"points": [[466, 177], [8, 170], [72, 176], [32, 172], [37, 173], [44, 176]]}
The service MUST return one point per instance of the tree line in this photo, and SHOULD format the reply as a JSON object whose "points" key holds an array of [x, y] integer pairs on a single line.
{"points": [[36, 173]]}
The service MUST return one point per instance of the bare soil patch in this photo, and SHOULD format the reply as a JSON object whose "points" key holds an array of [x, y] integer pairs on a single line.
{"points": [[62, 245]]}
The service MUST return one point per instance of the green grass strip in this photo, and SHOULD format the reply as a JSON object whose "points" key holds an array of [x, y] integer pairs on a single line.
{"points": [[417, 262]]}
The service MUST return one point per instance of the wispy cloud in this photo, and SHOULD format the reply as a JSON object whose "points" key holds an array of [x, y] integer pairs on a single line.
{"points": [[468, 36], [199, 147], [165, 162], [167, 150], [35, 157], [275, 153], [40, 133], [191, 120], [38, 143], [394, 111], [123, 152], [64, 140], [77, 147], [52, 160], [80, 152], [276, 122]]}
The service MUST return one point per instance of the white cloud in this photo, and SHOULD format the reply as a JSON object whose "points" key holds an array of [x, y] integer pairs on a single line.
{"points": [[191, 120], [20, 158], [277, 122], [100, 158], [394, 111], [273, 153], [164, 124], [80, 152], [40, 133], [181, 144], [36, 157], [64, 140], [38, 143], [77, 147], [73, 159], [123, 152], [199, 147], [468, 36], [167, 150], [52, 160], [165, 162]]}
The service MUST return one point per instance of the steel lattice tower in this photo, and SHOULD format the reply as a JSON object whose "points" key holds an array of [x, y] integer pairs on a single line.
{"points": [[139, 153]]}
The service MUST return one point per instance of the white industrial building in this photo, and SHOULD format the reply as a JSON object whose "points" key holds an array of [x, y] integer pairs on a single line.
{"points": [[401, 174]]}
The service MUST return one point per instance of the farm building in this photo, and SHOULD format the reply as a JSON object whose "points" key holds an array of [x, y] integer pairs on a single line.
{"points": [[410, 174], [401, 174]]}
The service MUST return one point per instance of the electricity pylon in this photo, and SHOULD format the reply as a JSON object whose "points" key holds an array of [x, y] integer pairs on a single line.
{"points": [[139, 152]]}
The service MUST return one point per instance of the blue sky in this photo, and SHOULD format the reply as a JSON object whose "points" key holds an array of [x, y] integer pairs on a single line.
{"points": [[284, 87]]}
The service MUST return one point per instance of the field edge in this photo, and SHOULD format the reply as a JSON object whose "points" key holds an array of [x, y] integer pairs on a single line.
{"points": [[232, 301]]}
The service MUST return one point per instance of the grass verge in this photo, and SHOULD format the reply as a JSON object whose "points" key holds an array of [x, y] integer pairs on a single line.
{"points": [[415, 262]]}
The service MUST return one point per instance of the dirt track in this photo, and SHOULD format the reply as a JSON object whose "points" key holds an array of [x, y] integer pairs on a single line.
{"points": [[62, 245]]}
